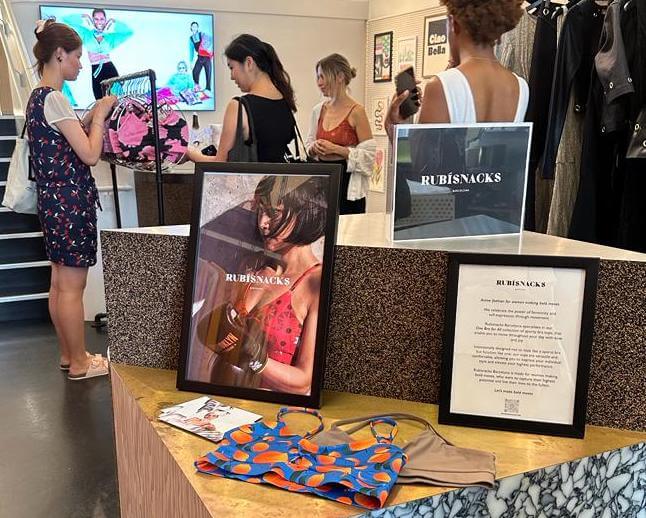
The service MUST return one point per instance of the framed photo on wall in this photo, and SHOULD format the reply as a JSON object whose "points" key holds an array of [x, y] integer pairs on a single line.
{"points": [[435, 48], [518, 342], [378, 112], [382, 58], [378, 178], [258, 285], [406, 53]]}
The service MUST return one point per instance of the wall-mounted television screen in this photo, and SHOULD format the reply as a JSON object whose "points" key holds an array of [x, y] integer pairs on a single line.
{"points": [[178, 46]]}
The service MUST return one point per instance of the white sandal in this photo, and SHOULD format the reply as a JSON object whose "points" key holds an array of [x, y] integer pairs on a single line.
{"points": [[98, 367]]}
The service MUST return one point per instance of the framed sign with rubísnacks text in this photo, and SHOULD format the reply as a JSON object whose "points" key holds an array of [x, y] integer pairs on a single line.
{"points": [[258, 284], [518, 342], [460, 180]]}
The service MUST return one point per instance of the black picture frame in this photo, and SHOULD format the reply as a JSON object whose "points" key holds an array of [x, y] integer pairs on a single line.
{"points": [[381, 66], [230, 238], [440, 21], [577, 428]]}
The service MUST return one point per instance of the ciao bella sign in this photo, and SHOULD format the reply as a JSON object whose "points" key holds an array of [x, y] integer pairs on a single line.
{"points": [[436, 46], [436, 42]]}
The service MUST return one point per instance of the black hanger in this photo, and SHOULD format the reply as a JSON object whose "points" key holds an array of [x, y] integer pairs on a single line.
{"points": [[564, 8], [534, 5]]}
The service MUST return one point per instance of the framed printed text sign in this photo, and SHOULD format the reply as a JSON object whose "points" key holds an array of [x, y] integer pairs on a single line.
{"points": [[518, 342]]}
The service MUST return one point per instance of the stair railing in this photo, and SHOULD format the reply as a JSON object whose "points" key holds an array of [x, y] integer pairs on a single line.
{"points": [[23, 77]]}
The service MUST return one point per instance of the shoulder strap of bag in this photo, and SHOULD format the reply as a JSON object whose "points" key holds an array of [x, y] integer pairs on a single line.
{"points": [[252, 129], [30, 169], [297, 137]]}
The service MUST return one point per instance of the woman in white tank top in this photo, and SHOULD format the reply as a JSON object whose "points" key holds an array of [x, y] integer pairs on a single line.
{"points": [[475, 87]]}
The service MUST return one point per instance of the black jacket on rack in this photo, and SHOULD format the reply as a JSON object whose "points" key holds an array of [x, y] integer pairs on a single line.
{"points": [[540, 90], [578, 45], [610, 206]]}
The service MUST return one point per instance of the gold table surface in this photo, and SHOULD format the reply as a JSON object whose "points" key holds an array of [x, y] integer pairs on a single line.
{"points": [[154, 389]]}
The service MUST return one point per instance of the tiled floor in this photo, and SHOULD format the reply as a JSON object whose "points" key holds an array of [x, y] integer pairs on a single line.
{"points": [[57, 453]]}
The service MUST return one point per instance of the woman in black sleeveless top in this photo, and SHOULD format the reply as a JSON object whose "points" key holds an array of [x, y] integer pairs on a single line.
{"points": [[258, 72]]}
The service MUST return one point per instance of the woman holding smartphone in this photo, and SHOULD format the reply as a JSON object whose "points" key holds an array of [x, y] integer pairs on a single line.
{"points": [[475, 87]]}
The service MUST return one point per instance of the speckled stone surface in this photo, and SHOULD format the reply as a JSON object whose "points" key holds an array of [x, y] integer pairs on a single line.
{"points": [[609, 485], [386, 321], [617, 394], [144, 296]]}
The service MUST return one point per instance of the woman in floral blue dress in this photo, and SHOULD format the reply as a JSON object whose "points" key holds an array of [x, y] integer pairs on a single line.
{"points": [[62, 150]]}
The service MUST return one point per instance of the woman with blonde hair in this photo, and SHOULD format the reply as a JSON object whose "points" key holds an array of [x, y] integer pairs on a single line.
{"points": [[340, 132]]}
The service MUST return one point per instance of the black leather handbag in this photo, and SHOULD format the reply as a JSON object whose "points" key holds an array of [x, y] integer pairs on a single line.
{"points": [[637, 146]]}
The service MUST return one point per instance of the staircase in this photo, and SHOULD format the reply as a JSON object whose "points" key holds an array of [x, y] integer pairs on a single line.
{"points": [[24, 269]]}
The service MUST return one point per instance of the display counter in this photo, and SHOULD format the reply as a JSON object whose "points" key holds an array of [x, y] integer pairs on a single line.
{"points": [[387, 311], [157, 476]]}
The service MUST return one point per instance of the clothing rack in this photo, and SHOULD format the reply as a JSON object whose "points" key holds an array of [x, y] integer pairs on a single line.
{"points": [[138, 83]]}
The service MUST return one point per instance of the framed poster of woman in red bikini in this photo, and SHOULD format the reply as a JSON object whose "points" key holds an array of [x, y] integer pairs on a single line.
{"points": [[261, 256]]}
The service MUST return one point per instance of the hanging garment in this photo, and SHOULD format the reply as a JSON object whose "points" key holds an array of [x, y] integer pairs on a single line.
{"points": [[609, 207], [129, 136], [431, 458], [540, 91], [545, 187], [632, 211], [566, 173], [515, 48], [578, 43], [360, 473]]}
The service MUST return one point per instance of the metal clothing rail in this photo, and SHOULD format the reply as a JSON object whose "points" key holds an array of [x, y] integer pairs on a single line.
{"points": [[139, 83]]}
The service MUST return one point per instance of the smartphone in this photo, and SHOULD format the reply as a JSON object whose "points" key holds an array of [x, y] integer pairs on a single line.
{"points": [[405, 80], [210, 150]]}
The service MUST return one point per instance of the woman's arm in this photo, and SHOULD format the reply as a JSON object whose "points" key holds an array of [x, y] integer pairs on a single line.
{"points": [[298, 378], [434, 108], [311, 135], [87, 118], [88, 146], [228, 136]]}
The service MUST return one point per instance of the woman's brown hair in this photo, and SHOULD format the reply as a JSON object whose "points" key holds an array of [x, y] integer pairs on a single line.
{"points": [[485, 20], [335, 65], [54, 35]]}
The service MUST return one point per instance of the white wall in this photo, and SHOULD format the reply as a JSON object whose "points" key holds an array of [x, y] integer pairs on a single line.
{"points": [[385, 8], [301, 31]]}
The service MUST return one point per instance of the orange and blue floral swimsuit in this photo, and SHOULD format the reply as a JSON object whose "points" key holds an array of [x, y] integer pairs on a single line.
{"points": [[360, 473]]}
